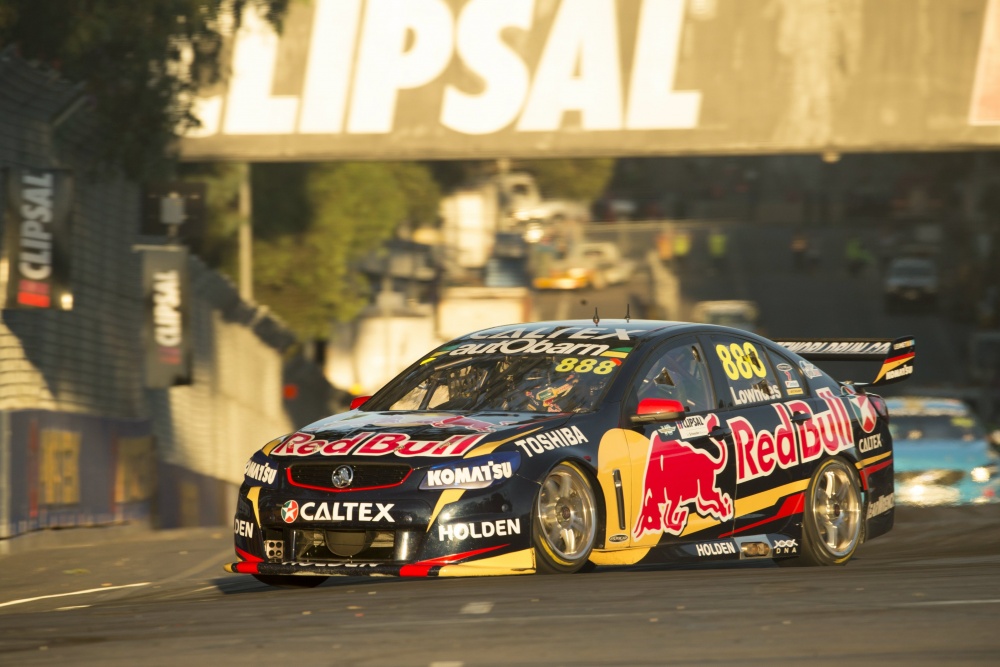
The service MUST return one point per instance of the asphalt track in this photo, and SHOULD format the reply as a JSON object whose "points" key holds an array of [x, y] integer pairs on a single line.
{"points": [[928, 593]]}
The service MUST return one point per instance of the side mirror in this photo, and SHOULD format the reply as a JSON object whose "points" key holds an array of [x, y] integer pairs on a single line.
{"points": [[359, 401], [657, 410]]}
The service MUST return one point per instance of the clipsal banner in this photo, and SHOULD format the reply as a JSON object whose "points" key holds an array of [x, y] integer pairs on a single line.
{"points": [[166, 316], [37, 239], [489, 78]]}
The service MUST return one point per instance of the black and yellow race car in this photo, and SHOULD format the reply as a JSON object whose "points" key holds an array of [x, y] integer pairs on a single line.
{"points": [[557, 446]]}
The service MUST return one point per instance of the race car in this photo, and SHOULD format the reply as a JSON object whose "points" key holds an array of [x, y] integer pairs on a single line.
{"points": [[554, 447]]}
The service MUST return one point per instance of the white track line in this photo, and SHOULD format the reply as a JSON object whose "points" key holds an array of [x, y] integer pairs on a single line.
{"points": [[59, 595], [477, 608], [944, 603]]}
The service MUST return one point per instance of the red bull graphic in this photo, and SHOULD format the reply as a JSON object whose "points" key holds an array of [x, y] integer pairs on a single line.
{"points": [[759, 452], [379, 444], [677, 476]]}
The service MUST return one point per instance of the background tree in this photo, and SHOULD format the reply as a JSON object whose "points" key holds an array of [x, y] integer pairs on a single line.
{"points": [[582, 179], [312, 223], [139, 61]]}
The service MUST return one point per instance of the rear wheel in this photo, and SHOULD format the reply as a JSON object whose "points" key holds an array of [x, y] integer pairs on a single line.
{"points": [[289, 581], [564, 521], [833, 522]]}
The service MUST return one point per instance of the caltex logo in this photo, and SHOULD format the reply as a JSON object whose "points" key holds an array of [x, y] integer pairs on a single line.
{"points": [[865, 411], [290, 511]]}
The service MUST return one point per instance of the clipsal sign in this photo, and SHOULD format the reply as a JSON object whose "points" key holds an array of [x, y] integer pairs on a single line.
{"points": [[417, 79], [361, 54]]}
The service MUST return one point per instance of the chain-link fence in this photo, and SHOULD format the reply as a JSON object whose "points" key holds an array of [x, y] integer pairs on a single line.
{"points": [[82, 441]]}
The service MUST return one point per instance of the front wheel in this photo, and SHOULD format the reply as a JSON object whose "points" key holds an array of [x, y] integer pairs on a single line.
{"points": [[833, 521], [564, 521]]}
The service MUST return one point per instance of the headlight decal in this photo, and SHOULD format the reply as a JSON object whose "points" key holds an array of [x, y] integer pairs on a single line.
{"points": [[478, 473]]}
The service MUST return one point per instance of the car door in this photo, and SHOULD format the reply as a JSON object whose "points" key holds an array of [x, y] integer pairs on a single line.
{"points": [[685, 472], [756, 387]]}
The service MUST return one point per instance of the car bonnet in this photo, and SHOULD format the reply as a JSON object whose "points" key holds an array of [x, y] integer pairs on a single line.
{"points": [[419, 437]]}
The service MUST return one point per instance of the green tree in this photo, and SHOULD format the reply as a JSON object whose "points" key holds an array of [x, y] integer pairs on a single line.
{"points": [[217, 245], [311, 224], [583, 179], [140, 62]]}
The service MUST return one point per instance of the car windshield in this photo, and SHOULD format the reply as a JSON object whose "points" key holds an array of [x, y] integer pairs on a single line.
{"points": [[934, 427], [501, 382]]}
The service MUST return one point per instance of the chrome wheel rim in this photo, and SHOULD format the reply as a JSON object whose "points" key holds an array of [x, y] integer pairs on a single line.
{"points": [[566, 513], [836, 509]]}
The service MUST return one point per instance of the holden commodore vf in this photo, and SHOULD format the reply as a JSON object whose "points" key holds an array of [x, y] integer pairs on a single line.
{"points": [[555, 447]]}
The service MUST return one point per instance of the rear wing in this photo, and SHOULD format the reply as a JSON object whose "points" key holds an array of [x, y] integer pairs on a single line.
{"points": [[896, 354]]}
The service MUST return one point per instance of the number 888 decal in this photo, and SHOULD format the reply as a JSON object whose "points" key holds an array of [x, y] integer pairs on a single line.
{"points": [[740, 362], [586, 366]]}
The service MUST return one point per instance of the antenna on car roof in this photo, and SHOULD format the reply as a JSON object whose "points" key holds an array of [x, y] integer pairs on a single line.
{"points": [[597, 319], [628, 312]]}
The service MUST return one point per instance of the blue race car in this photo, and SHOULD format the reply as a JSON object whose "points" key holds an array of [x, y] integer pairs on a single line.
{"points": [[943, 455]]}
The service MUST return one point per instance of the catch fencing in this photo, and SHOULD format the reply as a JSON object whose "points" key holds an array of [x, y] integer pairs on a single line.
{"points": [[82, 440]]}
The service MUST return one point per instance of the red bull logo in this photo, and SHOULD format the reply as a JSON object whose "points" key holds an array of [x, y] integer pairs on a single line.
{"points": [[760, 451], [379, 444], [678, 476]]}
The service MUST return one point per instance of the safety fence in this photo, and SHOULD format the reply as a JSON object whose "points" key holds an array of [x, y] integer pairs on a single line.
{"points": [[83, 441]]}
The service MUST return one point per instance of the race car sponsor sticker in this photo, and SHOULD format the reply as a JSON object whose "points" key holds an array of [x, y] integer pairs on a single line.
{"points": [[479, 474], [760, 451], [243, 528], [478, 530], [693, 427], [715, 549], [864, 409], [259, 471], [882, 505], [783, 547], [560, 437], [531, 346], [291, 512], [437, 420], [680, 477], [809, 369], [376, 444], [899, 372], [837, 347], [559, 332]]}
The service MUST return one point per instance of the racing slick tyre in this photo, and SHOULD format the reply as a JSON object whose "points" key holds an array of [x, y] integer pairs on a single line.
{"points": [[833, 521], [564, 521], [289, 580]]}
